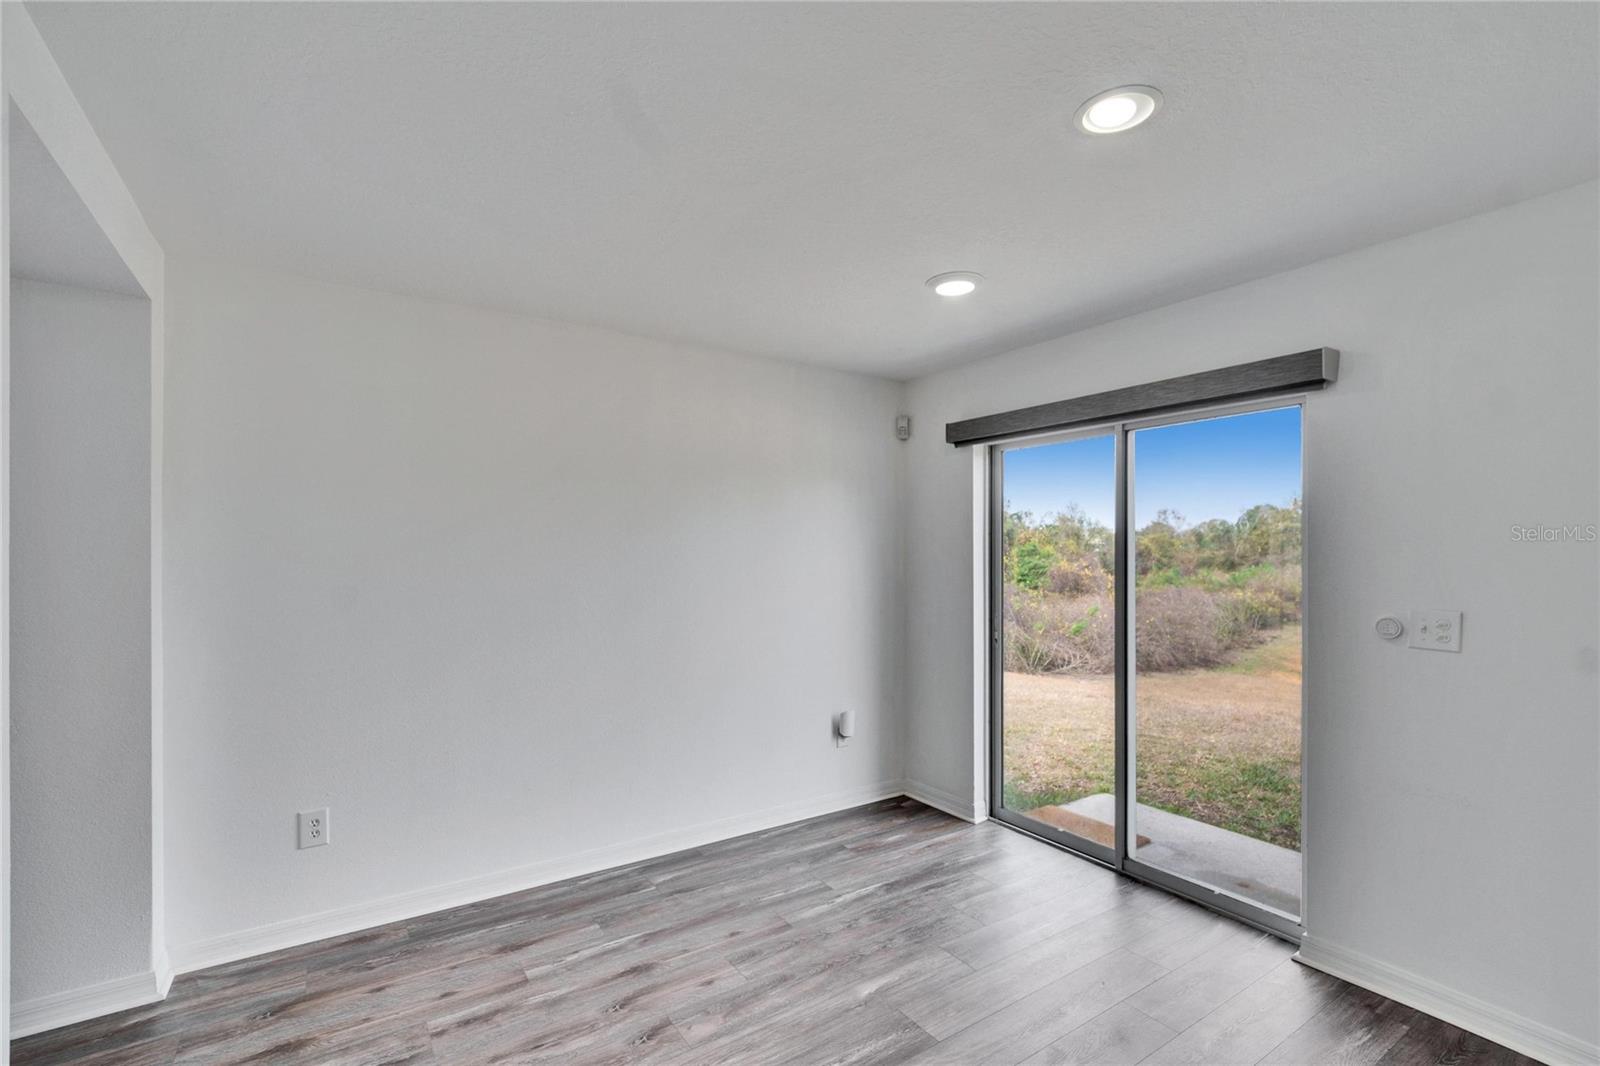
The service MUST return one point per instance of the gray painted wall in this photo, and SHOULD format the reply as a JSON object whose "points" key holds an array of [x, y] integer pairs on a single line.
{"points": [[80, 637], [504, 594]]}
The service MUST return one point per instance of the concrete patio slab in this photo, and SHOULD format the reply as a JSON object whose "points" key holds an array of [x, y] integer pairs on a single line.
{"points": [[1244, 866]]}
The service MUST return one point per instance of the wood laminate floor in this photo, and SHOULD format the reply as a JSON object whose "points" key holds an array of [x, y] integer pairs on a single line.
{"points": [[891, 933]]}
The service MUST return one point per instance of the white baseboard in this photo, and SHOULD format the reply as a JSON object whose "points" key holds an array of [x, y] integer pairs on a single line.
{"points": [[947, 802], [1516, 1032], [292, 932], [163, 973], [80, 1004]]}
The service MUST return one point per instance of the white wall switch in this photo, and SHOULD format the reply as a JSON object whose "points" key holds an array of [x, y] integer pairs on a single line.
{"points": [[313, 828], [1436, 630]]}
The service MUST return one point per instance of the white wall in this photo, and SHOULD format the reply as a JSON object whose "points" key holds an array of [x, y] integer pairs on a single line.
{"points": [[33, 82], [512, 598], [80, 638], [5, 572], [1452, 798]]}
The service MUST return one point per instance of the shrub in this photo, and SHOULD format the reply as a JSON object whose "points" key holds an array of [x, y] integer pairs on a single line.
{"points": [[1171, 577], [1204, 591], [1078, 576], [1197, 623], [1047, 634], [1180, 628], [1265, 598]]}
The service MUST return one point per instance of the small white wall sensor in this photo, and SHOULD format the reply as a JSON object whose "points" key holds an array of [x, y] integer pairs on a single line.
{"points": [[902, 427], [1389, 627]]}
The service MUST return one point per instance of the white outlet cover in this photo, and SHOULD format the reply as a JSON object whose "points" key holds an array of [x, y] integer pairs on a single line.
{"points": [[313, 827], [1436, 630]]}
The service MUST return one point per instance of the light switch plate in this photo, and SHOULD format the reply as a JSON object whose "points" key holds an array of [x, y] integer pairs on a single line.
{"points": [[313, 828], [1436, 630]]}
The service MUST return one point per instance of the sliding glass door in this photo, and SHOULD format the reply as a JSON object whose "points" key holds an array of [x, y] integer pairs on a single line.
{"points": [[1056, 752], [1146, 677]]}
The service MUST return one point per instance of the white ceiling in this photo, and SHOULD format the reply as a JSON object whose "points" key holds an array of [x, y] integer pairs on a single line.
{"points": [[780, 179], [53, 235]]}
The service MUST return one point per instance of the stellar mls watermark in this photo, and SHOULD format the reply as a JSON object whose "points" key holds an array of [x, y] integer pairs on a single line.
{"points": [[1542, 534]]}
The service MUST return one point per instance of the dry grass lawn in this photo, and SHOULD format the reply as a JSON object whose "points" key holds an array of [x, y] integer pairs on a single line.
{"points": [[1219, 745]]}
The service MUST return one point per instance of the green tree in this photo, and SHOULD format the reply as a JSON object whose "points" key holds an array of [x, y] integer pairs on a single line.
{"points": [[1032, 561], [1213, 544], [1266, 533], [1156, 546]]}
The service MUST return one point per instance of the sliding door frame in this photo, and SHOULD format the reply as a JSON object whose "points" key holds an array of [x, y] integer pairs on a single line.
{"points": [[997, 652], [1120, 857]]}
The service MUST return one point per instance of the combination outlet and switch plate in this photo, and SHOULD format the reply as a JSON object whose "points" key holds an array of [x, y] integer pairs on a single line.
{"points": [[313, 828], [1436, 630]]}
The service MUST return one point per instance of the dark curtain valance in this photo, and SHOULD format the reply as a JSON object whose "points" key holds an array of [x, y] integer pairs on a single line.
{"points": [[1314, 369]]}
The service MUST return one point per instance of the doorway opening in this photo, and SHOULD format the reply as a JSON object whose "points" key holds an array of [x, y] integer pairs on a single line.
{"points": [[1147, 657]]}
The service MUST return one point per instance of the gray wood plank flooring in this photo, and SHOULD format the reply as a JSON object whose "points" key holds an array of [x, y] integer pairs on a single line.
{"points": [[887, 934]]}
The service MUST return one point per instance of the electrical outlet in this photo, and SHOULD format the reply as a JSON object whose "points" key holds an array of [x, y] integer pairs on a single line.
{"points": [[313, 828], [1436, 630]]}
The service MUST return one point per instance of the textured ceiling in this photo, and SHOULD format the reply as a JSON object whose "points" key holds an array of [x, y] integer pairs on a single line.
{"points": [[53, 235], [780, 179]]}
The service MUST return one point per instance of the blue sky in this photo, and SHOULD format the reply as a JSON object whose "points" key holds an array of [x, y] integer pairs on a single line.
{"points": [[1217, 468]]}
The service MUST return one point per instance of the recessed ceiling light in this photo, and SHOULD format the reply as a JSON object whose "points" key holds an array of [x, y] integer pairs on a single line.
{"points": [[955, 283], [1116, 110]]}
